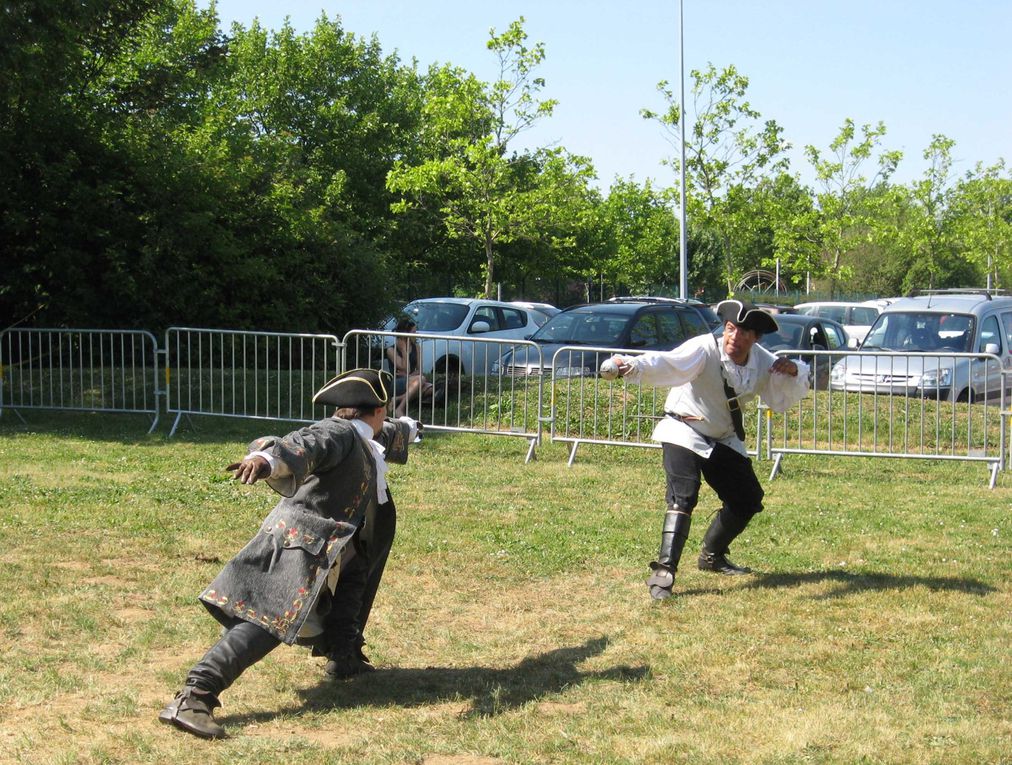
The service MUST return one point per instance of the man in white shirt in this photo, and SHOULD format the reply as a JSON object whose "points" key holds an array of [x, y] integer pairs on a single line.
{"points": [[712, 379]]}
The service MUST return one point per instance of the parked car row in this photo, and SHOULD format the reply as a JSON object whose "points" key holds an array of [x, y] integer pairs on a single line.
{"points": [[937, 325]]}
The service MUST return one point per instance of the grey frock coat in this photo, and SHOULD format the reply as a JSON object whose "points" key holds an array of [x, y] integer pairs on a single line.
{"points": [[276, 579]]}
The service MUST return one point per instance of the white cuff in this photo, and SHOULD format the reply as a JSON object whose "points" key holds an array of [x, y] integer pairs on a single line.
{"points": [[271, 460], [412, 423]]}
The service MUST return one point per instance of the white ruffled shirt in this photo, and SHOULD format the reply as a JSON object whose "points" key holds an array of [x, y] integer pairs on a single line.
{"points": [[682, 365], [379, 455]]}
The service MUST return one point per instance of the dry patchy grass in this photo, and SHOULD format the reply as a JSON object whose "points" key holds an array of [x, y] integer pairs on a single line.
{"points": [[513, 625]]}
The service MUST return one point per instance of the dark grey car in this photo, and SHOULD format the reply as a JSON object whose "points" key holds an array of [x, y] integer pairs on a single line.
{"points": [[624, 323]]}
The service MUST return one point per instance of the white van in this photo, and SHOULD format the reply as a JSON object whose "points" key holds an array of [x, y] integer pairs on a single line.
{"points": [[933, 328]]}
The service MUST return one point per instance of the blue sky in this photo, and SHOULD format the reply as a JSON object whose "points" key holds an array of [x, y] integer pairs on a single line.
{"points": [[922, 67]]}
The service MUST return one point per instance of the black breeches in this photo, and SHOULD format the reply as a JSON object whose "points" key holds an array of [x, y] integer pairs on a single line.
{"points": [[727, 472]]}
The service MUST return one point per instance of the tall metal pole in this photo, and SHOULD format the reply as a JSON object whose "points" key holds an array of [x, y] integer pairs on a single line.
{"points": [[683, 236]]}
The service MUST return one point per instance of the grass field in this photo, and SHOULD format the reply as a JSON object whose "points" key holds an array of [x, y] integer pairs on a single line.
{"points": [[513, 625]]}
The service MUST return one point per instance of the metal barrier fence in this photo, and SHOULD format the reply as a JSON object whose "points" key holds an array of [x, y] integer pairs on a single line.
{"points": [[940, 406], [471, 391], [590, 410], [255, 375], [79, 370]]}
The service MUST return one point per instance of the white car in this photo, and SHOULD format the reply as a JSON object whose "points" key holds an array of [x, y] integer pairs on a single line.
{"points": [[542, 311], [856, 318], [466, 318]]}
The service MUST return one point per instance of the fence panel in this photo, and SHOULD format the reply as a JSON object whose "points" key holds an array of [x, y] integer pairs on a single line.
{"points": [[254, 375], [591, 410], [93, 370], [898, 405], [470, 393]]}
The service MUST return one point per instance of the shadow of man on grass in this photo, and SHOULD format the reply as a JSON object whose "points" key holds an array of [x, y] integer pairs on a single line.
{"points": [[852, 582], [492, 690]]}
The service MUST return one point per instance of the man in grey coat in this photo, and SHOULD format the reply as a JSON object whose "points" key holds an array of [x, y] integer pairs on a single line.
{"points": [[281, 586]]}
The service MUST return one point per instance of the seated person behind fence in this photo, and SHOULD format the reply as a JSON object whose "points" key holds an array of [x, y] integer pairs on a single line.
{"points": [[409, 382]]}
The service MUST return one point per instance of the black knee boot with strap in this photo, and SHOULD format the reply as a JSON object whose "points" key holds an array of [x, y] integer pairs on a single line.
{"points": [[673, 536]]}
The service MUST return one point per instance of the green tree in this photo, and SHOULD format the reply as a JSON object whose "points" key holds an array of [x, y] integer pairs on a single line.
{"points": [[484, 191], [794, 221], [640, 236], [846, 208], [728, 150], [982, 211], [61, 191]]}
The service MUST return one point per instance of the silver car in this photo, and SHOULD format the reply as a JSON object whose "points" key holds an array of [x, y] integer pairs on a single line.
{"points": [[921, 346], [464, 320]]}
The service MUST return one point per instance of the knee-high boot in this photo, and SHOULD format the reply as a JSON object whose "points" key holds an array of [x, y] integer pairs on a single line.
{"points": [[673, 535], [726, 526], [240, 647]]}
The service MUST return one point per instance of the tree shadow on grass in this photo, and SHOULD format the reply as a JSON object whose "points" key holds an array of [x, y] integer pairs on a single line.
{"points": [[852, 582], [491, 690]]}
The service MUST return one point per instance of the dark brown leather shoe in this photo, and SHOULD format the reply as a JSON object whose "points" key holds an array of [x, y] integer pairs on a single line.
{"points": [[192, 710], [719, 564]]}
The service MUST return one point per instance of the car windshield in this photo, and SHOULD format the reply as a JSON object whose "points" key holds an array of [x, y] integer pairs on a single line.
{"points": [[920, 331], [787, 336], [834, 312], [579, 328], [432, 316], [709, 315]]}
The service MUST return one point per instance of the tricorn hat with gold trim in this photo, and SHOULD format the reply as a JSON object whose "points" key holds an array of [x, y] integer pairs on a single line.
{"points": [[360, 388]]}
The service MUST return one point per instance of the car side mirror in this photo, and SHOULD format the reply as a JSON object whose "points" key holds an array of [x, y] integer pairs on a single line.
{"points": [[480, 326], [852, 342], [992, 348]]}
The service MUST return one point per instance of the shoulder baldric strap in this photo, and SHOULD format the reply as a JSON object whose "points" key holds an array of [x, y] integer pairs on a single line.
{"points": [[732, 400]]}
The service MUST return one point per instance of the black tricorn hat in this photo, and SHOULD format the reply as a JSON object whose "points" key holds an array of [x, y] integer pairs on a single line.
{"points": [[746, 315], [360, 388]]}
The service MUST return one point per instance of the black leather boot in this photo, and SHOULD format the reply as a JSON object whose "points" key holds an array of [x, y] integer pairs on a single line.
{"points": [[342, 638], [673, 536], [348, 663], [726, 526], [241, 646]]}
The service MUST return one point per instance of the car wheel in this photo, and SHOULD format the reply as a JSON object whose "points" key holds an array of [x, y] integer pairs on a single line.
{"points": [[966, 396]]}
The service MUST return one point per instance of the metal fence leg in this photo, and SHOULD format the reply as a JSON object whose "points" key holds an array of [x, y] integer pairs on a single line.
{"points": [[531, 455], [16, 414], [995, 466], [776, 466], [572, 453], [175, 424]]}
